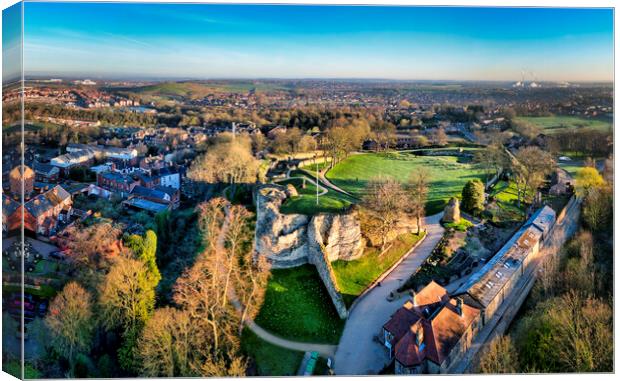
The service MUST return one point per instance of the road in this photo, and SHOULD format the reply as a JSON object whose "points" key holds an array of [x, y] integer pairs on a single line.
{"points": [[358, 353]]}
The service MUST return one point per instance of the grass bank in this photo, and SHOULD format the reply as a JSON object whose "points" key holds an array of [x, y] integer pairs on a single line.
{"points": [[298, 307], [354, 276]]}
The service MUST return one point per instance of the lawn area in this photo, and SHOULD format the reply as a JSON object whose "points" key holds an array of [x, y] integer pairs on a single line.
{"points": [[555, 124], [505, 195], [461, 226], [354, 276], [446, 176], [298, 307], [305, 203], [270, 359]]}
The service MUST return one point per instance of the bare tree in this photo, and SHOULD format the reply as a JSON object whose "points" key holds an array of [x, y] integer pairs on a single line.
{"points": [[387, 202], [529, 169], [500, 356], [418, 191]]}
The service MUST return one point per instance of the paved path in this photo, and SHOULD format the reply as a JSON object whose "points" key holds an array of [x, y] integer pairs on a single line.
{"points": [[358, 353]]}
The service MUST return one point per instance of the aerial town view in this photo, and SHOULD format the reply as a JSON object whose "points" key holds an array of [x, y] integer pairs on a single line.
{"points": [[227, 190]]}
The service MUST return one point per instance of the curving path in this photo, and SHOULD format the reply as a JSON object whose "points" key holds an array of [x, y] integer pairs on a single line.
{"points": [[358, 352]]}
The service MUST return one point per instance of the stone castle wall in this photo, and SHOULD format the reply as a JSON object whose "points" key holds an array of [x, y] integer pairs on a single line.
{"points": [[291, 240]]}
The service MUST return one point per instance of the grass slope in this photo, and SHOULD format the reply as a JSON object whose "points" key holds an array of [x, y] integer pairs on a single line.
{"points": [[447, 176], [270, 359], [555, 124], [297, 307], [305, 203], [354, 276]]}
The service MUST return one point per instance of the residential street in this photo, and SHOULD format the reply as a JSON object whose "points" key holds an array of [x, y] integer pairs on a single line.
{"points": [[357, 352]]}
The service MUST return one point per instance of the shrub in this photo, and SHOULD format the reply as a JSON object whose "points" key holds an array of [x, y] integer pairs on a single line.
{"points": [[473, 197]]}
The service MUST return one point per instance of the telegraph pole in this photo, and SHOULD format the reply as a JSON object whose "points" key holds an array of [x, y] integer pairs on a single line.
{"points": [[317, 180]]}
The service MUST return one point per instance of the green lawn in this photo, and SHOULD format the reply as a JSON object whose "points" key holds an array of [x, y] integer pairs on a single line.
{"points": [[555, 124], [447, 177], [305, 203], [461, 226], [298, 307], [270, 359], [506, 198], [354, 276]]}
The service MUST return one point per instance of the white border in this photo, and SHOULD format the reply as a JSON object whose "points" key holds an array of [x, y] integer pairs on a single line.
{"points": [[480, 3]]}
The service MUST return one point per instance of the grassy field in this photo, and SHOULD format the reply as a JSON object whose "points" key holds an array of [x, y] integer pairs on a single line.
{"points": [[555, 124], [305, 203], [446, 175], [354, 276], [297, 307], [196, 90], [270, 359]]}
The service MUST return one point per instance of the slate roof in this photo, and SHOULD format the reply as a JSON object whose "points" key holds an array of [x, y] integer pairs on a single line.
{"points": [[8, 205], [41, 203], [489, 280], [142, 191]]}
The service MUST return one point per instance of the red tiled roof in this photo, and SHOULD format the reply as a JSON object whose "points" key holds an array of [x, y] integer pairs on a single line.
{"points": [[436, 313]]}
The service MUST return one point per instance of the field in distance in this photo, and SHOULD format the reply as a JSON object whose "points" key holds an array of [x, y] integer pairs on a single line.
{"points": [[555, 124]]}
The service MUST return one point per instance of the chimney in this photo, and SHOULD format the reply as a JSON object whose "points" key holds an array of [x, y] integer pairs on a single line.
{"points": [[415, 304], [459, 306]]}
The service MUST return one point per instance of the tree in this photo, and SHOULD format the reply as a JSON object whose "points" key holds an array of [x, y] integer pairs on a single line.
{"points": [[227, 161], [127, 295], [306, 144], [387, 202], [473, 196], [145, 249], [71, 323], [500, 356], [418, 189], [384, 133], [93, 246], [530, 166], [127, 299], [524, 128], [165, 345], [439, 137], [587, 178], [598, 208], [583, 334], [493, 158]]}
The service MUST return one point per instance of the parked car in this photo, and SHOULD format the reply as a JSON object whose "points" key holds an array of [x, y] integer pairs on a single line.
{"points": [[42, 310], [57, 255]]}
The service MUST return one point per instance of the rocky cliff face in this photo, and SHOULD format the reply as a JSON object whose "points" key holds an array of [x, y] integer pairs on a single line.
{"points": [[287, 240], [290, 240], [281, 238]]}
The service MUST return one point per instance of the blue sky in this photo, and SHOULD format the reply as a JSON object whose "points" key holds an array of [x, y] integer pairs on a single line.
{"points": [[244, 41], [11, 42]]}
